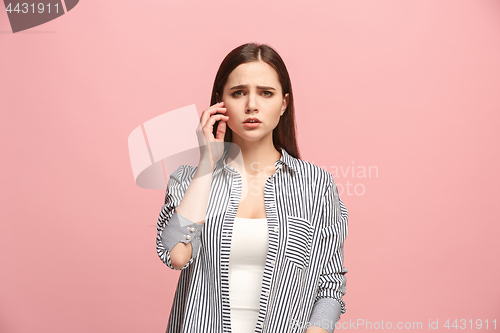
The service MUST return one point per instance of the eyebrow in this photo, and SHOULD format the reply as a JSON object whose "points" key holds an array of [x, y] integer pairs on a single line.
{"points": [[258, 87]]}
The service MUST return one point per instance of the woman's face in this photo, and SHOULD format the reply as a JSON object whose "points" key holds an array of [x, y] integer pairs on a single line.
{"points": [[253, 90]]}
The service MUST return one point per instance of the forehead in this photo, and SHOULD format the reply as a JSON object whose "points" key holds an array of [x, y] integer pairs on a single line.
{"points": [[253, 73]]}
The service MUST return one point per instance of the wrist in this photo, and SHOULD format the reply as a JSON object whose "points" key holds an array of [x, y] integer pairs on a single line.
{"points": [[205, 165]]}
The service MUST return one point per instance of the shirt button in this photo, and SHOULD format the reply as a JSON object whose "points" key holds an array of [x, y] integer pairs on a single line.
{"points": [[280, 166], [273, 262], [188, 236], [191, 229], [267, 293], [275, 229], [271, 204]]}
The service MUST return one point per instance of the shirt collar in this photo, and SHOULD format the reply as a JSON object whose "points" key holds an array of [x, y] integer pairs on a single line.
{"points": [[286, 159]]}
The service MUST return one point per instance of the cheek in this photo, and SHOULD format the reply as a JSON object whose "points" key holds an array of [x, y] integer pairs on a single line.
{"points": [[231, 114], [232, 118]]}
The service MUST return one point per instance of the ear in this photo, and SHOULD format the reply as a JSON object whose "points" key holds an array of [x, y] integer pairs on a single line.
{"points": [[285, 104]]}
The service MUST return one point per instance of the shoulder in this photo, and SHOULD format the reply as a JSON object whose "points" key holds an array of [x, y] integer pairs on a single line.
{"points": [[184, 173], [317, 176]]}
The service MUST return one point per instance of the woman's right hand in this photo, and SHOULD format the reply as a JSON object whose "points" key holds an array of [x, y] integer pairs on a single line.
{"points": [[212, 148]]}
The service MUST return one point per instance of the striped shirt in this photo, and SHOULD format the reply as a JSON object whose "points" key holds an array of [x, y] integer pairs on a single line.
{"points": [[304, 277]]}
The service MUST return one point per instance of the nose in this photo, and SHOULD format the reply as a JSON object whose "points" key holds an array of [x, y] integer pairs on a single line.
{"points": [[252, 102]]}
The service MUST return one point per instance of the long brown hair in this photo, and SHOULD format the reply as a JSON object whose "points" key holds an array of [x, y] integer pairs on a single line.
{"points": [[284, 133]]}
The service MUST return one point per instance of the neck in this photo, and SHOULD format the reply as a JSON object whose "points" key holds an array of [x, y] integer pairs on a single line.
{"points": [[256, 157]]}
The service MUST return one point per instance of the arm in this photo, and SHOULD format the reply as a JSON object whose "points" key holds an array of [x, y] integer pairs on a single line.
{"points": [[178, 238], [328, 304], [325, 314]]}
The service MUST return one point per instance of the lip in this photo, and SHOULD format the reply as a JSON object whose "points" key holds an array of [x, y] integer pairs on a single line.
{"points": [[251, 118], [251, 125]]}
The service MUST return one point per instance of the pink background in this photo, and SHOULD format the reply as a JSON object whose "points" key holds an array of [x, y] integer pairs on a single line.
{"points": [[407, 87]]}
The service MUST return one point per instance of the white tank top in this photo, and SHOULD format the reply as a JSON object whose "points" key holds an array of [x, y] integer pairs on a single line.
{"points": [[247, 259]]}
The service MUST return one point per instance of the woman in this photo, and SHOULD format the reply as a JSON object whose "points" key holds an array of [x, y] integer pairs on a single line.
{"points": [[257, 233]]}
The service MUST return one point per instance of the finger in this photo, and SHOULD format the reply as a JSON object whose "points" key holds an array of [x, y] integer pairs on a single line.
{"points": [[221, 131], [215, 118], [209, 112], [215, 106], [208, 128]]}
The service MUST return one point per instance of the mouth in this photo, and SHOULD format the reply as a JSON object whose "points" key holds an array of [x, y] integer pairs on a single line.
{"points": [[251, 125], [252, 120]]}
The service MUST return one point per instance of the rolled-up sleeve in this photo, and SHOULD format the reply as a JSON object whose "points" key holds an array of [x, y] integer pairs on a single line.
{"points": [[332, 281], [173, 228]]}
